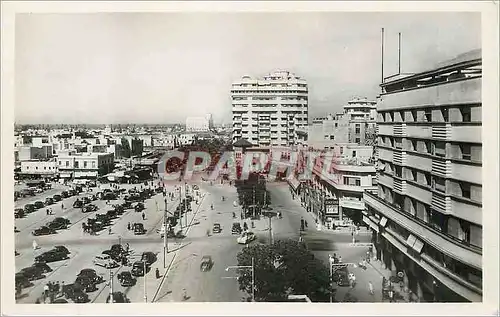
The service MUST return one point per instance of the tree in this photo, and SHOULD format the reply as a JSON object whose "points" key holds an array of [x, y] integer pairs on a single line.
{"points": [[283, 268], [126, 150]]}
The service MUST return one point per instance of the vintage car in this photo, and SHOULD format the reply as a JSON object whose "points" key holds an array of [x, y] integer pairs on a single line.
{"points": [[126, 279], [105, 261], [217, 228], [43, 231], [246, 237], [206, 263], [236, 229]]}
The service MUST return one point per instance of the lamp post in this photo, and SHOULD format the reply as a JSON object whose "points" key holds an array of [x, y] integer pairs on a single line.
{"points": [[165, 237], [111, 300], [251, 267]]}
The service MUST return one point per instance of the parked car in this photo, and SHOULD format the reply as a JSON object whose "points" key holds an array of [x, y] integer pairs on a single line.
{"points": [[89, 208], [236, 229], [217, 228], [91, 274], [78, 203], [109, 196], [32, 273], [86, 200], [139, 207], [75, 293], [29, 208], [72, 192], [118, 297], [86, 283], [38, 204], [58, 223], [43, 267], [149, 257], [105, 261], [43, 231], [19, 213], [206, 263], [49, 201], [57, 198], [62, 249], [138, 268], [139, 229], [22, 281], [51, 256], [126, 279], [65, 194], [246, 237]]}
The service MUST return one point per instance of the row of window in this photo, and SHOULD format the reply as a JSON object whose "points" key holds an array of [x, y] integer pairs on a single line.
{"points": [[461, 151], [453, 187], [271, 105], [45, 167], [465, 231], [442, 114], [456, 267], [274, 92]]}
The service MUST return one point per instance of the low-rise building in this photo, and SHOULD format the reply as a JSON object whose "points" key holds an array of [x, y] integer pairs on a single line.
{"points": [[84, 165], [39, 168]]}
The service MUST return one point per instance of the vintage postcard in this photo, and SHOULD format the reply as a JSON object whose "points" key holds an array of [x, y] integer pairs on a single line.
{"points": [[249, 158]]}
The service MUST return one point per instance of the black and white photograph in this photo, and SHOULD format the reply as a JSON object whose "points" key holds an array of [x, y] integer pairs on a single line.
{"points": [[248, 156]]}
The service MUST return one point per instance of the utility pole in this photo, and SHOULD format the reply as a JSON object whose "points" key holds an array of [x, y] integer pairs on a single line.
{"points": [[254, 201], [186, 206], [165, 233], [111, 301], [180, 202], [145, 281], [253, 281], [270, 231]]}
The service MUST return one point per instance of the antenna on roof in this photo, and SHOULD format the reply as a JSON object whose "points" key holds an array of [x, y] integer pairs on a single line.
{"points": [[382, 73], [399, 53]]}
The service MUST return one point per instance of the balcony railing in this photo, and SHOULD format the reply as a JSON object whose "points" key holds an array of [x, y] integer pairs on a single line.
{"points": [[449, 245], [449, 93]]}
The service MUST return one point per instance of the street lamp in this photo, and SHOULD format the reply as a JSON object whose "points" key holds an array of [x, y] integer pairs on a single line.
{"points": [[252, 267]]}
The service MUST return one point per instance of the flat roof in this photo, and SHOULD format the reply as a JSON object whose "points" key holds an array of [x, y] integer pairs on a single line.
{"points": [[468, 59]]}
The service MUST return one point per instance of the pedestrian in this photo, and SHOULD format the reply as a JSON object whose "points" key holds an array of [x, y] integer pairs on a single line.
{"points": [[370, 287], [127, 248], [143, 216], [340, 259], [157, 273], [35, 245], [128, 226], [46, 290], [62, 206], [109, 231], [47, 211]]}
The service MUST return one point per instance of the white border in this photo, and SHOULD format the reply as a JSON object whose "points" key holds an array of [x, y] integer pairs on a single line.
{"points": [[489, 306]]}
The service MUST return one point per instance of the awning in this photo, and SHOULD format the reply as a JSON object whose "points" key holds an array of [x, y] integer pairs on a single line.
{"points": [[383, 221], [411, 240], [418, 245], [294, 183], [65, 175], [371, 223]]}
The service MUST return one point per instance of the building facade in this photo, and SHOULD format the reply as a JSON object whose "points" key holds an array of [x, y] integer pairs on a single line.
{"points": [[38, 168], [72, 164], [266, 111], [426, 217]]}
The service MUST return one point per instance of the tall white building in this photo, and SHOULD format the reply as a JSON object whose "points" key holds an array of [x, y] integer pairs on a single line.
{"points": [[266, 111]]}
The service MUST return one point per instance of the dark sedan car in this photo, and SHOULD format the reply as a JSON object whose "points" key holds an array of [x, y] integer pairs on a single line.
{"points": [[78, 203], [59, 223], [86, 283], [65, 194], [89, 208], [29, 208], [49, 201], [51, 256], [138, 268], [43, 231], [139, 207], [43, 267], [32, 273], [39, 204], [75, 293], [139, 229], [61, 249], [149, 257], [22, 280], [126, 279], [92, 274], [57, 197], [19, 213]]}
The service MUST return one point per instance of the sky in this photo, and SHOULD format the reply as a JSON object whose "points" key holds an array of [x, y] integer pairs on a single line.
{"points": [[164, 67]]}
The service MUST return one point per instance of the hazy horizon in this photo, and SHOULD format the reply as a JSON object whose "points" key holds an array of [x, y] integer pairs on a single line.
{"points": [[160, 68]]}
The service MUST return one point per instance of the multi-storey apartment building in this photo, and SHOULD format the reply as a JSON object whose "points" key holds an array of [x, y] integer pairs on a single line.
{"points": [[356, 124], [427, 216], [335, 196], [266, 111]]}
